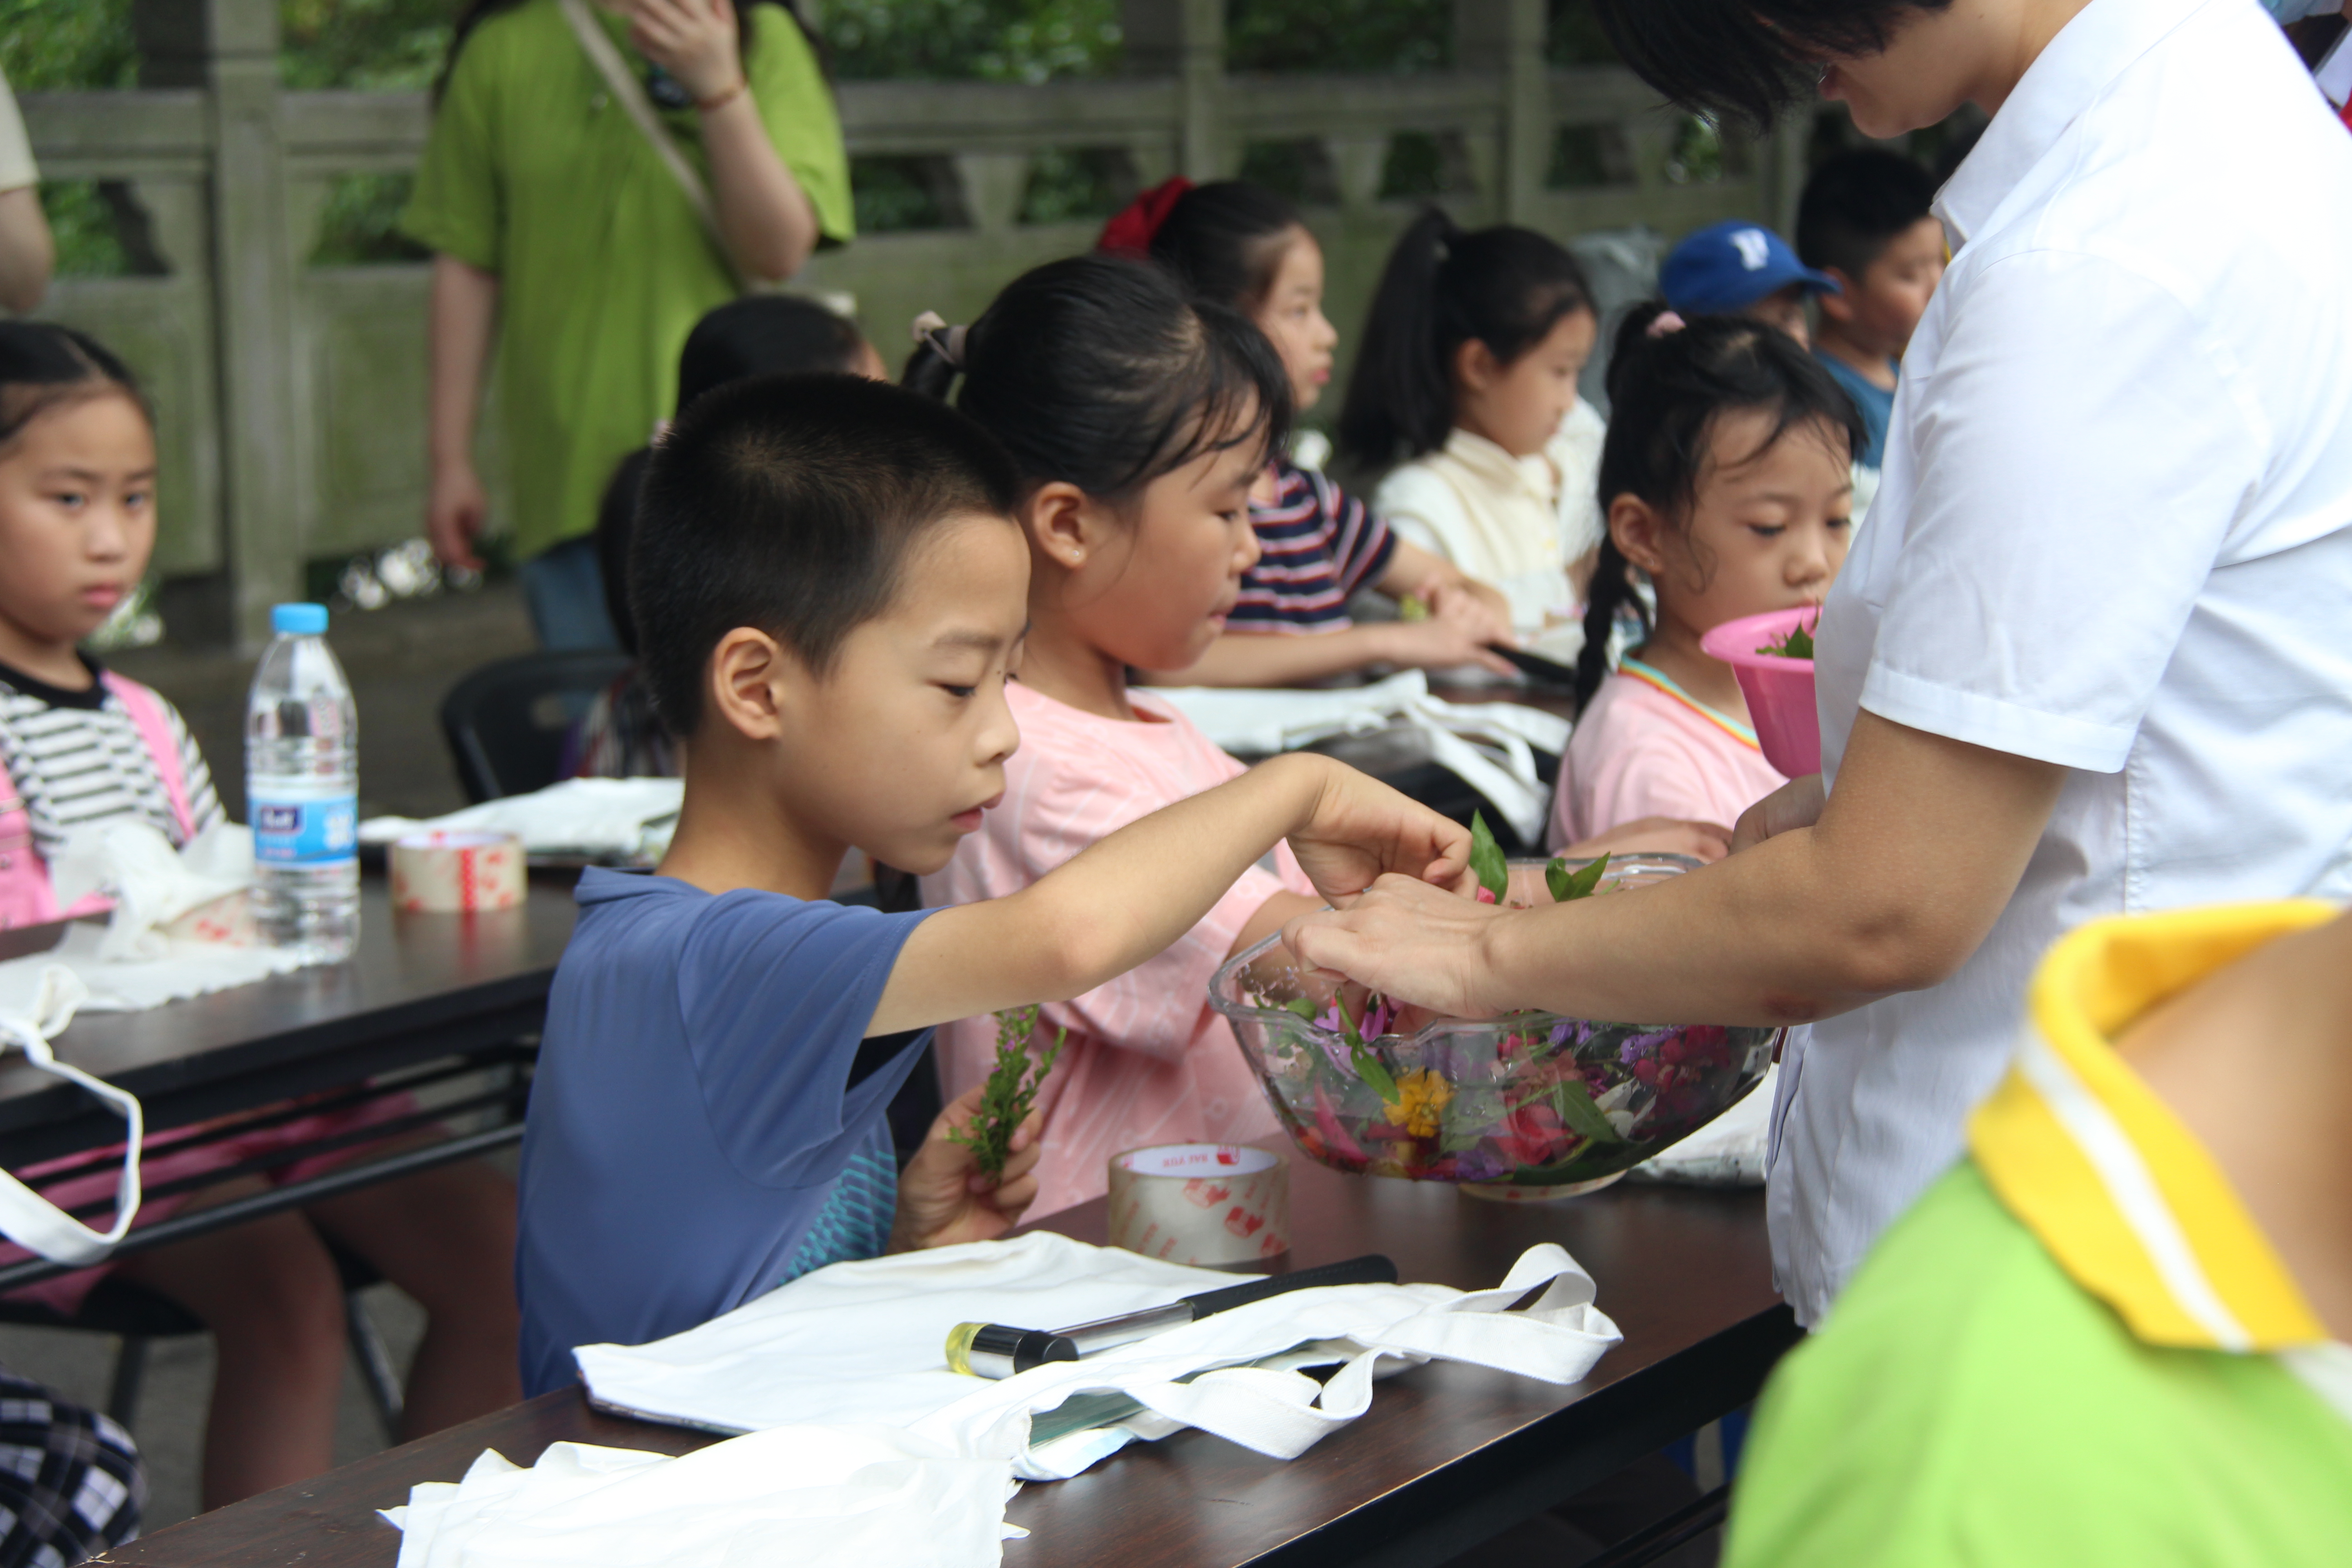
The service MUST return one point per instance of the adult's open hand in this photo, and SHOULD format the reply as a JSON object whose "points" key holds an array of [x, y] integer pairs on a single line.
{"points": [[1408, 940]]}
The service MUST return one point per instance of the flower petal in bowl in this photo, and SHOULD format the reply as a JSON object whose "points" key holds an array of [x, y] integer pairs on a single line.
{"points": [[1528, 1100]]}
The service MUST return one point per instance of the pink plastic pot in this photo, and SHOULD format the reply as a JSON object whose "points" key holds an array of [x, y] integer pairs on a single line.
{"points": [[1780, 691]]}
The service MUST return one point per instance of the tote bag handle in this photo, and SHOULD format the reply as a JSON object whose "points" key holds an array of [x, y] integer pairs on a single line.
{"points": [[28, 1219]]}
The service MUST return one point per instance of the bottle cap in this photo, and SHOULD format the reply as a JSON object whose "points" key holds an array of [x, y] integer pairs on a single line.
{"points": [[299, 620]]}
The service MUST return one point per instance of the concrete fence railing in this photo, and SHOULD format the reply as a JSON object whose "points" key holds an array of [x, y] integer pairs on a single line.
{"points": [[291, 396]]}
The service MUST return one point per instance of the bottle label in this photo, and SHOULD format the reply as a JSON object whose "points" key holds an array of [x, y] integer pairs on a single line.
{"points": [[315, 832]]}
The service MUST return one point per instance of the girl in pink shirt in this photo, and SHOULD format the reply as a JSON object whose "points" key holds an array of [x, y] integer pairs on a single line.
{"points": [[1727, 478], [1140, 419]]}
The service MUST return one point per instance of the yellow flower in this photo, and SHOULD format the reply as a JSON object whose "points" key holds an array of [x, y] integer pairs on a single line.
{"points": [[1421, 1099]]}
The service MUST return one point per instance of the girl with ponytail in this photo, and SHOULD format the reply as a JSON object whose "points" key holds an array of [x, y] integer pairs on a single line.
{"points": [[1242, 246], [1468, 376], [1727, 478], [1139, 418]]}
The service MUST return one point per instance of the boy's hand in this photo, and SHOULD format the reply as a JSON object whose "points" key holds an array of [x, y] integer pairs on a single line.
{"points": [[944, 1198], [1360, 828]]}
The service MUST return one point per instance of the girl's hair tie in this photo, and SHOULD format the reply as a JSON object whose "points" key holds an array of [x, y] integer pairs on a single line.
{"points": [[943, 340], [1130, 230], [1666, 321]]}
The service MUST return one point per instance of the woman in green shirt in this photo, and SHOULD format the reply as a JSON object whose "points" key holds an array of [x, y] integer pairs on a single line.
{"points": [[558, 229]]}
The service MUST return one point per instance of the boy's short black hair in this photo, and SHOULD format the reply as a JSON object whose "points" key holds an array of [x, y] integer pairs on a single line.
{"points": [[790, 503], [1747, 60], [1856, 203]]}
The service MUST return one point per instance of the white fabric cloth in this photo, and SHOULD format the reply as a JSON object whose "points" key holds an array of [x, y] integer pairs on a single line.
{"points": [[864, 1342], [2114, 531], [1491, 746], [577, 817], [871, 1497], [1729, 1152], [179, 927]]}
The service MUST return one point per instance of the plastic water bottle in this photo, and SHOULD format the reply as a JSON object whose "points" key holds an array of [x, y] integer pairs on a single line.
{"points": [[301, 789]]}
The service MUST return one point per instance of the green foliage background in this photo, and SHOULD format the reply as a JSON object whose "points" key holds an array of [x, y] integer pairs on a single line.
{"points": [[389, 45]]}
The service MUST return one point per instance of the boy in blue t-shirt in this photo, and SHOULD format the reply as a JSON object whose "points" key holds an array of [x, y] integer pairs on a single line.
{"points": [[1863, 220], [830, 593]]}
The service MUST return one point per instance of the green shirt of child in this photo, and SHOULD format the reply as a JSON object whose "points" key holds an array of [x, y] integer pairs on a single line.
{"points": [[532, 171], [2078, 1349]]}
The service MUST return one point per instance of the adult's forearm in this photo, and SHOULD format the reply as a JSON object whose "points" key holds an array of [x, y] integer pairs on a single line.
{"points": [[28, 250], [1917, 853], [767, 220], [465, 312]]}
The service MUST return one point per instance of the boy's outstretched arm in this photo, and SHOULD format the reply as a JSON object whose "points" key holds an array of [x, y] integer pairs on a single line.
{"points": [[1128, 897]]}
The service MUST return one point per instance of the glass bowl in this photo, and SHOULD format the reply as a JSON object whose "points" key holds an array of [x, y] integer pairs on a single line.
{"points": [[1525, 1106]]}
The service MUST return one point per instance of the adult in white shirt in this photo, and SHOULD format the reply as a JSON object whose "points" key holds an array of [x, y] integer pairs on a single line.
{"points": [[2088, 658]]}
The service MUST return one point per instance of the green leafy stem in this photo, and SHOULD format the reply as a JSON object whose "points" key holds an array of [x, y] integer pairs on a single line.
{"points": [[1010, 1091]]}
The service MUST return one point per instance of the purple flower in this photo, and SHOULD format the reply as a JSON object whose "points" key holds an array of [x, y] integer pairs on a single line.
{"points": [[1637, 1046], [1560, 1032], [1483, 1162]]}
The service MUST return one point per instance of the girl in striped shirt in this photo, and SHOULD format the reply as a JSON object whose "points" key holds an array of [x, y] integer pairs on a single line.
{"points": [[1727, 480], [82, 745], [1242, 246]]}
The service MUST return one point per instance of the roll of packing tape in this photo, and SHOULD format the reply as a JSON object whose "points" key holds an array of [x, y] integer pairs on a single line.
{"points": [[1201, 1202], [438, 872]]}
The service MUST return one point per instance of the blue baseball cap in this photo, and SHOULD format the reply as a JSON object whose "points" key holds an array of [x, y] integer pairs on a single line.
{"points": [[1730, 266]]}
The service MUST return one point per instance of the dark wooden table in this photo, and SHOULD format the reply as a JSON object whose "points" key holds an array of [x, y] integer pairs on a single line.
{"points": [[419, 987], [1446, 1456], [426, 1000]]}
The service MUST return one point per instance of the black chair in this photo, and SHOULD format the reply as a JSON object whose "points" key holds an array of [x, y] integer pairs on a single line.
{"points": [[507, 721], [138, 1317]]}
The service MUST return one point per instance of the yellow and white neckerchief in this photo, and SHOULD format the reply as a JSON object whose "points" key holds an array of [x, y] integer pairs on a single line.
{"points": [[1633, 668], [2123, 1195]]}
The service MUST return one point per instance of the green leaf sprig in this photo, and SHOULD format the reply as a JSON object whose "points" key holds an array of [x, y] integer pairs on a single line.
{"points": [[1368, 1065], [1010, 1091], [1581, 883], [1797, 644], [1487, 861]]}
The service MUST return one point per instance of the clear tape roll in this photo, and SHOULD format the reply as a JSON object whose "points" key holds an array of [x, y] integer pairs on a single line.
{"points": [[439, 872], [1201, 1202]]}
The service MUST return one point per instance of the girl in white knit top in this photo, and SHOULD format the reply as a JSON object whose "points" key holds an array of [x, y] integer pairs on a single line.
{"points": [[1468, 373]]}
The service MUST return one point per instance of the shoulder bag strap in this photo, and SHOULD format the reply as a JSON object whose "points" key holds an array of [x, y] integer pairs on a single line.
{"points": [[630, 93], [25, 896], [147, 716]]}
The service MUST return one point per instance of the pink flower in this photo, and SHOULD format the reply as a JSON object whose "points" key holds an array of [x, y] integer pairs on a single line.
{"points": [[1532, 1136], [1486, 895], [1335, 1136]]}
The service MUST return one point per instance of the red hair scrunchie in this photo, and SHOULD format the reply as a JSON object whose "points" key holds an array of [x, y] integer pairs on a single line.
{"points": [[1129, 231]]}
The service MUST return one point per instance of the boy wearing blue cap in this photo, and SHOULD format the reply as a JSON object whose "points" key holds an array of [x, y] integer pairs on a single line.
{"points": [[1740, 268]]}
